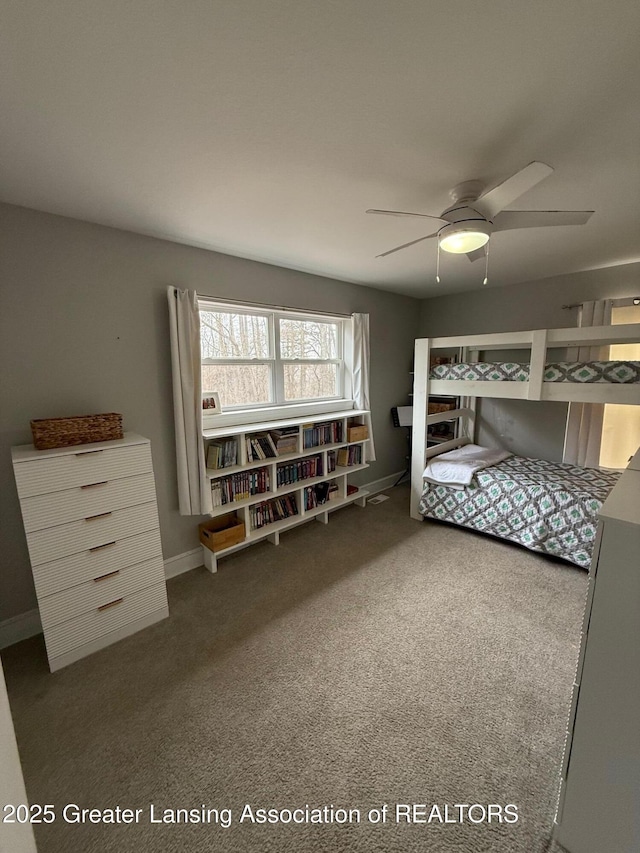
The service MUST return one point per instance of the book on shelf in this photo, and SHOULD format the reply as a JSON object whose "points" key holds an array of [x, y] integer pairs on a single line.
{"points": [[222, 453], [285, 439], [317, 434], [316, 495], [348, 456], [238, 487], [276, 509], [351, 490], [260, 446], [303, 469]]}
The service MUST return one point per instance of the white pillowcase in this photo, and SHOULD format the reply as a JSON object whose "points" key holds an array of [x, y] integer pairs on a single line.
{"points": [[457, 467]]}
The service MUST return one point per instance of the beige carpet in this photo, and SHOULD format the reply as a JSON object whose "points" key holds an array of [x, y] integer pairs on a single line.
{"points": [[373, 661]]}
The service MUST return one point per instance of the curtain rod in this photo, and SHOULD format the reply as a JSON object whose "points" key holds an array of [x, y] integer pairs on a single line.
{"points": [[573, 305], [273, 307]]}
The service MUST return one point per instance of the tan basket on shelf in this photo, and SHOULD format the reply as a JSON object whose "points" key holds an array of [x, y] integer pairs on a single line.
{"points": [[49, 433], [222, 532], [358, 432]]}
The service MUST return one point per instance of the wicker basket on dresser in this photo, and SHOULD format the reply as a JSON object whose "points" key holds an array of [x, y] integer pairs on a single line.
{"points": [[91, 522]]}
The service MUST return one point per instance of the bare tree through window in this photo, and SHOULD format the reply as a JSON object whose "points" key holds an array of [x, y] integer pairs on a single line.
{"points": [[240, 362]]}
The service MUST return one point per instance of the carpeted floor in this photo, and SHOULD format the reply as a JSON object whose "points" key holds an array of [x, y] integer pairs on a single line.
{"points": [[377, 660]]}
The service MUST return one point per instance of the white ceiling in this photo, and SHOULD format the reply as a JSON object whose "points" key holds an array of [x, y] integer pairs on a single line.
{"points": [[265, 128]]}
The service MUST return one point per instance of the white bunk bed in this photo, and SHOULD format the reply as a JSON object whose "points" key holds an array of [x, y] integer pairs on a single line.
{"points": [[535, 380]]}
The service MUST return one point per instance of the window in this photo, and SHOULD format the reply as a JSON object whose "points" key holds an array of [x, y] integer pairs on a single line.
{"points": [[257, 359], [621, 424]]}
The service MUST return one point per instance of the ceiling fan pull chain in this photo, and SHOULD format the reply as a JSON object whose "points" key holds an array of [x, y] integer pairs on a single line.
{"points": [[438, 264], [486, 263]]}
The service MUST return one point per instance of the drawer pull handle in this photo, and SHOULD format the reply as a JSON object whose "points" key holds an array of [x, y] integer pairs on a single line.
{"points": [[108, 575], [93, 485], [87, 452], [93, 517], [110, 604], [100, 547]]}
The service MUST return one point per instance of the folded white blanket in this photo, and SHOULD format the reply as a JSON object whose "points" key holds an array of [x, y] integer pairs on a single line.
{"points": [[457, 467]]}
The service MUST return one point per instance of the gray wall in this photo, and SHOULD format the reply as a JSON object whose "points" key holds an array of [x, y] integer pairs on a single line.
{"points": [[535, 428], [84, 328]]}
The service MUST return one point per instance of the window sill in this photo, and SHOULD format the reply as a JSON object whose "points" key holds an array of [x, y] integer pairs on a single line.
{"points": [[239, 417]]}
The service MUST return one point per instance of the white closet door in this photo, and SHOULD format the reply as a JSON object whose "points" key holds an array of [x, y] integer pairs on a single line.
{"points": [[17, 837]]}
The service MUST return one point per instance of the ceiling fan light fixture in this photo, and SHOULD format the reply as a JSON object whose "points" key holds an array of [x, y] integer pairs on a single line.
{"points": [[460, 238]]}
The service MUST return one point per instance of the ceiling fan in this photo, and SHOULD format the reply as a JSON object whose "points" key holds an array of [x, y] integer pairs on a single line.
{"points": [[477, 214]]}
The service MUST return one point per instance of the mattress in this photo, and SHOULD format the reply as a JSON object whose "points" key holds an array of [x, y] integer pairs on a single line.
{"points": [[563, 371], [548, 507]]}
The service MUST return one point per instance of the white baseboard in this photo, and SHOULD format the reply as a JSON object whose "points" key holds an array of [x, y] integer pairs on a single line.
{"points": [[182, 563], [26, 625], [20, 627], [384, 482]]}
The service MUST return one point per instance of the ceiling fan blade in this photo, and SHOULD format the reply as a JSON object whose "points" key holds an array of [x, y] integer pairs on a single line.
{"points": [[477, 254], [406, 245], [404, 213], [510, 219], [493, 201]]}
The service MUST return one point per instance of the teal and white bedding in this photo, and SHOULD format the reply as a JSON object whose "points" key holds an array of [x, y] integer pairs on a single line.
{"points": [[563, 371], [548, 507]]}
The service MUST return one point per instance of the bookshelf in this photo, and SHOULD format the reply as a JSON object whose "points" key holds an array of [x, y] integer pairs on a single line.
{"points": [[269, 477], [446, 430]]}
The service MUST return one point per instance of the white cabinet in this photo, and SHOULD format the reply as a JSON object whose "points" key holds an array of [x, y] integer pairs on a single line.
{"points": [[270, 492], [91, 522], [599, 802]]}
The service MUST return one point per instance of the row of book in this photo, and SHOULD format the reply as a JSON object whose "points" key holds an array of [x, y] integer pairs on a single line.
{"points": [[304, 469], [276, 509], [286, 439], [260, 446], [351, 455], [320, 493], [276, 442], [239, 486], [315, 435], [222, 453]]}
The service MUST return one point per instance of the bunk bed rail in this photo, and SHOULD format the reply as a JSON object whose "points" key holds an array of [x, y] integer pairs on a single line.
{"points": [[537, 342]]}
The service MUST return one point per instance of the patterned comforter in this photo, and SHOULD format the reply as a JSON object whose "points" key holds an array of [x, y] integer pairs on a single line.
{"points": [[546, 506], [562, 371]]}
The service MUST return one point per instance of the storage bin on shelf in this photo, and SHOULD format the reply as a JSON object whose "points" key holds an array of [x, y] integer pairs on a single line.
{"points": [[358, 432], [222, 532]]}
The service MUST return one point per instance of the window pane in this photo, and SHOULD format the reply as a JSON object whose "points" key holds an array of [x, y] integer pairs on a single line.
{"points": [[226, 335], [238, 385], [308, 339], [621, 424], [310, 381]]}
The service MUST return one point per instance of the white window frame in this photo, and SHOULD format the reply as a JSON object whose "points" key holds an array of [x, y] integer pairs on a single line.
{"points": [[278, 407]]}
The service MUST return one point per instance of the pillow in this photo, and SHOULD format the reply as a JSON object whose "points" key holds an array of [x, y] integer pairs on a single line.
{"points": [[457, 467]]}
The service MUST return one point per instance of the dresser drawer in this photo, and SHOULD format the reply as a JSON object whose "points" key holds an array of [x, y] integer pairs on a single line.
{"points": [[42, 511], [80, 468], [82, 629], [86, 565], [66, 539], [93, 594]]}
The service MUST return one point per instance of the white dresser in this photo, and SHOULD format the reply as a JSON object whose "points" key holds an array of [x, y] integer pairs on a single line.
{"points": [[599, 803], [91, 521]]}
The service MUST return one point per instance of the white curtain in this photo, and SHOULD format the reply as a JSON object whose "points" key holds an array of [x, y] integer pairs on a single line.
{"points": [[194, 489], [360, 375], [584, 422]]}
